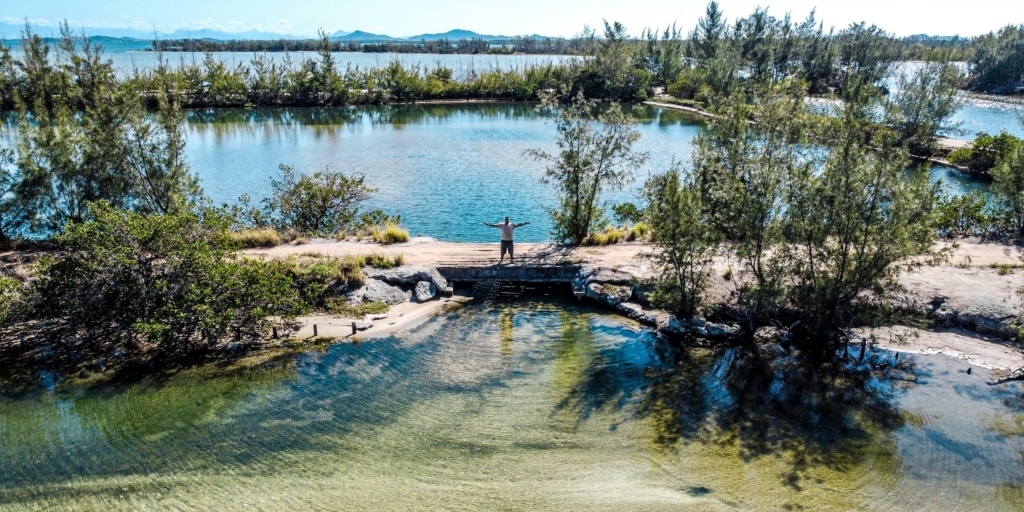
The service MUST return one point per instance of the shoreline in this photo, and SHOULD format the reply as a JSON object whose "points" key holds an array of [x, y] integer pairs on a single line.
{"points": [[972, 299]]}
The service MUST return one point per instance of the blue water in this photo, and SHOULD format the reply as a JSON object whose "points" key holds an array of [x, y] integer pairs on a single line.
{"points": [[445, 168]]}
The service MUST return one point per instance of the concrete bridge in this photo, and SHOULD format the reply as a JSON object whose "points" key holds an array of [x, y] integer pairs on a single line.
{"points": [[519, 273]]}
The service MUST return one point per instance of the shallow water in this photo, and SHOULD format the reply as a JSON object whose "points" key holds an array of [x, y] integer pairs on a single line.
{"points": [[528, 406]]}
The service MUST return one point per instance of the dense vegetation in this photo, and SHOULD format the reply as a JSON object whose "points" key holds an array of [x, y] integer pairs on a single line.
{"points": [[715, 58], [815, 210], [517, 45]]}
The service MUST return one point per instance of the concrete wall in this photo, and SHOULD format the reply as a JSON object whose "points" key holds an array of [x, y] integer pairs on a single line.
{"points": [[518, 273]]}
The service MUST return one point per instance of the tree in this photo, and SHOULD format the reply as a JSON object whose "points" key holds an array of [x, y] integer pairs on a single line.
{"points": [[89, 139], [685, 241], [923, 104], [13, 214], [595, 153], [323, 203], [161, 285], [744, 165], [851, 225], [997, 61], [708, 35], [985, 152], [1008, 189]]}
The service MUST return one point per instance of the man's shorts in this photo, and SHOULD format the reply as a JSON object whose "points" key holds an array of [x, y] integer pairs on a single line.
{"points": [[506, 246]]}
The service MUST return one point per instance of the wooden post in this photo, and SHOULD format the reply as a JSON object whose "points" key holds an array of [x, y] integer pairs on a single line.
{"points": [[314, 329], [353, 328], [275, 332]]}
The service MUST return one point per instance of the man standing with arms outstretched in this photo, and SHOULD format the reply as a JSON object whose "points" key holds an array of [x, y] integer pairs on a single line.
{"points": [[507, 229]]}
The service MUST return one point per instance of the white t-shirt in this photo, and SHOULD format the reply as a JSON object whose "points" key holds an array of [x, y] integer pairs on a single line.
{"points": [[506, 231]]}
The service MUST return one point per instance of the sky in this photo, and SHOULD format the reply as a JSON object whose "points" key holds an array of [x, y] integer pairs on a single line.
{"points": [[401, 18]]}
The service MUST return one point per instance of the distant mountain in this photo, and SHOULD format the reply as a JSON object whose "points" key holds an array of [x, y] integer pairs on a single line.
{"points": [[365, 37], [926, 37], [457, 34], [13, 31]]}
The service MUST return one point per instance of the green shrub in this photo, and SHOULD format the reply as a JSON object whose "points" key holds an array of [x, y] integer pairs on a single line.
{"points": [[986, 151], [627, 213], [687, 85], [12, 298], [390, 234], [962, 216], [319, 279], [127, 285], [320, 204]]}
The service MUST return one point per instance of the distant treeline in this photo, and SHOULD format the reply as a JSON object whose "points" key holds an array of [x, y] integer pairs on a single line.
{"points": [[714, 59], [518, 44], [996, 59]]}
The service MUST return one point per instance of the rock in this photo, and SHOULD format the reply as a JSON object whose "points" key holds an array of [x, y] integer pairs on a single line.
{"points": [[609, 294], [379, 291], [425, 290], [356, 296], [699, 328], [602, 275], [375, 316], [409, 275], [631, 309]]}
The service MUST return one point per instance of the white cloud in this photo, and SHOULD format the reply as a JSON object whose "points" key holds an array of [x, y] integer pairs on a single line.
{"points": [[41, 22], [285, 23]]}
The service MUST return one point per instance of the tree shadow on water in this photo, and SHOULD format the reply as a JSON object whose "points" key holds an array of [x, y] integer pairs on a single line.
{"points": [[834, 415]]}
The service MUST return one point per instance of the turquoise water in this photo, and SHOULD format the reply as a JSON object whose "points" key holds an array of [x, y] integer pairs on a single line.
{"points": [[526, 406], [445, 168]]}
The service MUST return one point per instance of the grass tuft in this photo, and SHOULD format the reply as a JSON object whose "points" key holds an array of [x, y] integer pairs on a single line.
{"points": [[609, 236], [390, 234], [253, 238]]}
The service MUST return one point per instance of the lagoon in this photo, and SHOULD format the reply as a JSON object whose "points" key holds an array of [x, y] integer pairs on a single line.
{"points": [[522, 405], [445, 168]]}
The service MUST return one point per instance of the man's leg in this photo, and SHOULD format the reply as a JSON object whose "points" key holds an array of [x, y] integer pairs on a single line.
{"points": [[511, 248]]}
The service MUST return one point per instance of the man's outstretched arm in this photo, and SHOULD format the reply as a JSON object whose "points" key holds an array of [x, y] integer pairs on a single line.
{"points": [[490, 225], [522, 224]]}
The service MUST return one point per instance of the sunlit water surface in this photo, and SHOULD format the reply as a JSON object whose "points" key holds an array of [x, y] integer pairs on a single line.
{"points": [[445, 168], [529, 406]]}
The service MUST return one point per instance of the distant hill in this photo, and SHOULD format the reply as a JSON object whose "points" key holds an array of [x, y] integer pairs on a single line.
{"points": [[457, 34], [926, 37], [365, 37], [13, 31]]}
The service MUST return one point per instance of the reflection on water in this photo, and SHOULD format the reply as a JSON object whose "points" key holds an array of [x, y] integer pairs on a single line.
{"points": [[521, 406], [445, 168]]}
